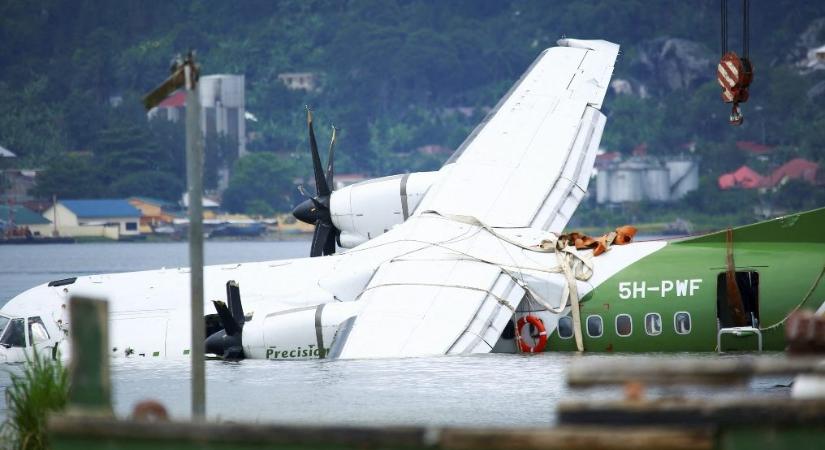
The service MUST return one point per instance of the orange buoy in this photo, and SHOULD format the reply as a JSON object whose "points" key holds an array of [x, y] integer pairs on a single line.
{"points": [[540, 344]]}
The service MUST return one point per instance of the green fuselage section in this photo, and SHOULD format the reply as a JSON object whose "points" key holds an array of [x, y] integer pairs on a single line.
{"points": [[680, 283]]}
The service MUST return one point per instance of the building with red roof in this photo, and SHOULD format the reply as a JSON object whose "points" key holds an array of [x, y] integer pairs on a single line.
{"points": [[747, 178], [743, 177], [795, 169]]}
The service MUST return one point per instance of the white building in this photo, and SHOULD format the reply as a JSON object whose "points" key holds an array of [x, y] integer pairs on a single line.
{"points": [[306, 81], [223, 112]]}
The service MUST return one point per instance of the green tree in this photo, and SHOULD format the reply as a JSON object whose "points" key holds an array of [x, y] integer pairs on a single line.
{"points": [[261, 179], [71, 176]]}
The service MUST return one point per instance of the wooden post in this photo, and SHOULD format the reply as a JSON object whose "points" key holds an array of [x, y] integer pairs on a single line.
{"points": [[91, 388]]}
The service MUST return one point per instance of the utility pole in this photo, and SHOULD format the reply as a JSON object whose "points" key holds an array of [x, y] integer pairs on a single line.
{"points": [[185, 75]]}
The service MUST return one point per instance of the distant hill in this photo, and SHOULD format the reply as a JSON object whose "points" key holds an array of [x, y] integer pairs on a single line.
{"points": [[393, 75]]}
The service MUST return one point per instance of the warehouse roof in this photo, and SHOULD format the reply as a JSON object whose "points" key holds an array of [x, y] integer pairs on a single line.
{"points": [[101, 208], [22, 215]]}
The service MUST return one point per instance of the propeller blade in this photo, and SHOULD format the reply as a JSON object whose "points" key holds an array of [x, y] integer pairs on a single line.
{"points": [[329, 245], [322, 233], [320, 182], [229, 325], [215, 343], [331, 161], [233, 296]]}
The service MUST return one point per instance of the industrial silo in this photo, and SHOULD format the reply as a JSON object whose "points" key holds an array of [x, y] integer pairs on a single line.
{"points": [[224, 107], [603, 186], [626, 182], [656, 181], [684, 176]]}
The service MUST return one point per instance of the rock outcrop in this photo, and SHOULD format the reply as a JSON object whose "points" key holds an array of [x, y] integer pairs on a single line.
{"points": [[673, 63]]}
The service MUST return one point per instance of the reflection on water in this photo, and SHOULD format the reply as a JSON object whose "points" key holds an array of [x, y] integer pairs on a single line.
{"points": [[475, 390]]}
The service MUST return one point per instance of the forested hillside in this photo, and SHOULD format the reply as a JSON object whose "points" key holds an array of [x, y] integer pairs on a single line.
{"points": [[395, 76]]}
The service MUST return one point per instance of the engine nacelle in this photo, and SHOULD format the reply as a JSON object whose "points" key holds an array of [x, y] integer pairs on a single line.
{"points": [[370, 208], [301, 333]]}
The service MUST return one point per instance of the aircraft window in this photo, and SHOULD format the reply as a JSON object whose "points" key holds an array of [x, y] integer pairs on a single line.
{"points": [[595, 327], [566, 327], [681, 321], [3, 322], [624, 325], [37, 331], [15, 335], [653, 324]]}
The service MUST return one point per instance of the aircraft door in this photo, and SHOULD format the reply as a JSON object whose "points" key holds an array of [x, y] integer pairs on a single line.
{"points": [[737, 311]]}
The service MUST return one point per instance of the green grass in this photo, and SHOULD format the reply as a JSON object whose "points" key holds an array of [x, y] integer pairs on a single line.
{"points": [[42, 387]]}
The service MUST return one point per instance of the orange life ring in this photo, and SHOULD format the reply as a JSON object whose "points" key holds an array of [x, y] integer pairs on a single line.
{"points": [[542, 341]]}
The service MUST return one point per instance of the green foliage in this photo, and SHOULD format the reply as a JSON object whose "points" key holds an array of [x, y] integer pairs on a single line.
{"points": [[261, 183], [41, 388], [795, 195], [153, 184], [71, 176], [710, 200], [390, 72]]}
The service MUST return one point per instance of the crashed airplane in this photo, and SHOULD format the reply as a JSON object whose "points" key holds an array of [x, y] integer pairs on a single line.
{"points": [[468, 259]]}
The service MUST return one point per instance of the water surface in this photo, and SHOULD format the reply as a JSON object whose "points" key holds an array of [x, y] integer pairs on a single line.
{"points": [[473, 390]]}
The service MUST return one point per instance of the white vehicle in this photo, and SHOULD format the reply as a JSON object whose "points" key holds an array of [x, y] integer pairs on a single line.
{"points": [[440, 262]]}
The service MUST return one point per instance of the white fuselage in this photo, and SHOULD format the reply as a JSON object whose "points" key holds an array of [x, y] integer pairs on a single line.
{"points": [[296, 306]]}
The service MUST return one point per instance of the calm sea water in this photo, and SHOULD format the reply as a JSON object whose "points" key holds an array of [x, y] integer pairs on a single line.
{"points": [[476, 390]]}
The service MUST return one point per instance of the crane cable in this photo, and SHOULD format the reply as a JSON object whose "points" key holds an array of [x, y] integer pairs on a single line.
{"points": [[746, 36], [724, 39], [745, 28], [734, 73]]}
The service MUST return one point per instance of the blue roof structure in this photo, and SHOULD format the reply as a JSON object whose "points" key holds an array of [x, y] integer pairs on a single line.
{"points": [[100, 208], [21, 215]]}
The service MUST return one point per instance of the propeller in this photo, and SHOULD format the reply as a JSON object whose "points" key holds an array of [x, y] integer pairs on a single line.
{"points": [[315, 210], [228, 342]]}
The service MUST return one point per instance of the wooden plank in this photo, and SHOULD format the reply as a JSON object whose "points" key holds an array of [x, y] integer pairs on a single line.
{"points": [[97, 429], [579, 437], [110, 433], [678, 370], [175, 81], [694, 412]]}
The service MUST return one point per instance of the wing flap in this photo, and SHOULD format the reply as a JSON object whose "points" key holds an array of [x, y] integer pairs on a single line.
{"points": [[432, 307]]}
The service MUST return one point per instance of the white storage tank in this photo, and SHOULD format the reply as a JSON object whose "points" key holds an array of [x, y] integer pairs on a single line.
{"points": [[603, 186], [656, 181], [626, 182], [684, 177]]}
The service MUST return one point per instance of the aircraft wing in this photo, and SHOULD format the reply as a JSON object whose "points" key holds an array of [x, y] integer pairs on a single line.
{"points": [[447, 283], [529, 162], [425, 307]]}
